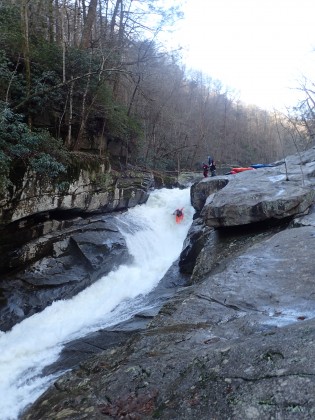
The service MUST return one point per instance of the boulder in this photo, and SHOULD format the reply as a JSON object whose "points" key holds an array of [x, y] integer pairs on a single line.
{"points": [[201, 190], [255, 196], [225, 243], [196, 239], [262, 194]]}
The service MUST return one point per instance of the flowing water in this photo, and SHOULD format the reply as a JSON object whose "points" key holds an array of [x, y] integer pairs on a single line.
{"points": [[154, 240]]}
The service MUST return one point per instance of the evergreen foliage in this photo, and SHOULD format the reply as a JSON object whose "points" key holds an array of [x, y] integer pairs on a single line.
{"points": [[21, 147], [11, 36]]}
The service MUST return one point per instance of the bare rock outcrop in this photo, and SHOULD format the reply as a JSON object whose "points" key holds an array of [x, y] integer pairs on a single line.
{"points": [[238, 343], [97, 190], [34, 209], [278, 192]]}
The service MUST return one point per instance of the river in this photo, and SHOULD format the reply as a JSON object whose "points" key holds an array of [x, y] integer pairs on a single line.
{"points": [[154, 240]]}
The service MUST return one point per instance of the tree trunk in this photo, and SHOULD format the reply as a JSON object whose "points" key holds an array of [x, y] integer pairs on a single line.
{"points": [[57, 22], [69, 137], [51, 35], [88, 25], [76, 19], [26, 50], [113, 20], [133, 95], [63, 42]]}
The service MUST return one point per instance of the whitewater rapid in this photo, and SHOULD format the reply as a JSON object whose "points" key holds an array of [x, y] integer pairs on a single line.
{"points": [[154, 240]]}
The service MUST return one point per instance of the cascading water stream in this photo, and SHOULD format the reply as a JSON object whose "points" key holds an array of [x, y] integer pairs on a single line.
{"points": [[154, 240]]}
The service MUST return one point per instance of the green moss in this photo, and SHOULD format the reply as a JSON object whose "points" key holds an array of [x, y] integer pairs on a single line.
{"points": [[104, 180], [79, 161], [164, 180]]}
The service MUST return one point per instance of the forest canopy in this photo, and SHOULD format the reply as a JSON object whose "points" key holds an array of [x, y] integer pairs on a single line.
{"points": [[90, 77]]}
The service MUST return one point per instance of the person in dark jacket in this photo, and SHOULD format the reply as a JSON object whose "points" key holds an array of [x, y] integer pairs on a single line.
{"points": [[212, 168], [179, 215], [178, 212]]}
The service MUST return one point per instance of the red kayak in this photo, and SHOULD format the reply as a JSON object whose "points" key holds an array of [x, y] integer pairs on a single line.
{"points": [[179, 215], [237, 170], [179, 218]]}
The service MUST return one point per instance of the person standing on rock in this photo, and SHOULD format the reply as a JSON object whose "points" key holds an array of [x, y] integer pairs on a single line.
{"points": [[212, 168], [205, 168]]}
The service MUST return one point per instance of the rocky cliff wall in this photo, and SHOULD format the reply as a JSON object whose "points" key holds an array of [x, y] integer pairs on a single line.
{"points": [[34, 208]]}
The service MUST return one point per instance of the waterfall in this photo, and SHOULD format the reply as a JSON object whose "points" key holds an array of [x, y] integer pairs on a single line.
{"points": [[155, 242]]}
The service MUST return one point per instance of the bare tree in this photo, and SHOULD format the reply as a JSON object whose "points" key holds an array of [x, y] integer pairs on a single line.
{"points": [[26, 48], [88, 25]]}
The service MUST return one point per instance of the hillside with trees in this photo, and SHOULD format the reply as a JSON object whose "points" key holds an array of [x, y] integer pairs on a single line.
{"points": [[82, 78]]}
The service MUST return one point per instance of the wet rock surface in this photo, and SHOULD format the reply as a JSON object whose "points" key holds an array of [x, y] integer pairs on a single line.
{"points": [[79, 255], [237, 343]]}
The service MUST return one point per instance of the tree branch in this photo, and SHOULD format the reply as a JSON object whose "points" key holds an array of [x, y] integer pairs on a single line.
{"points": [[62, 84]]}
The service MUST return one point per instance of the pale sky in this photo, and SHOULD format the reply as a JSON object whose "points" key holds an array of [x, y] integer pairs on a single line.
{"points": [[261, 48]]}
